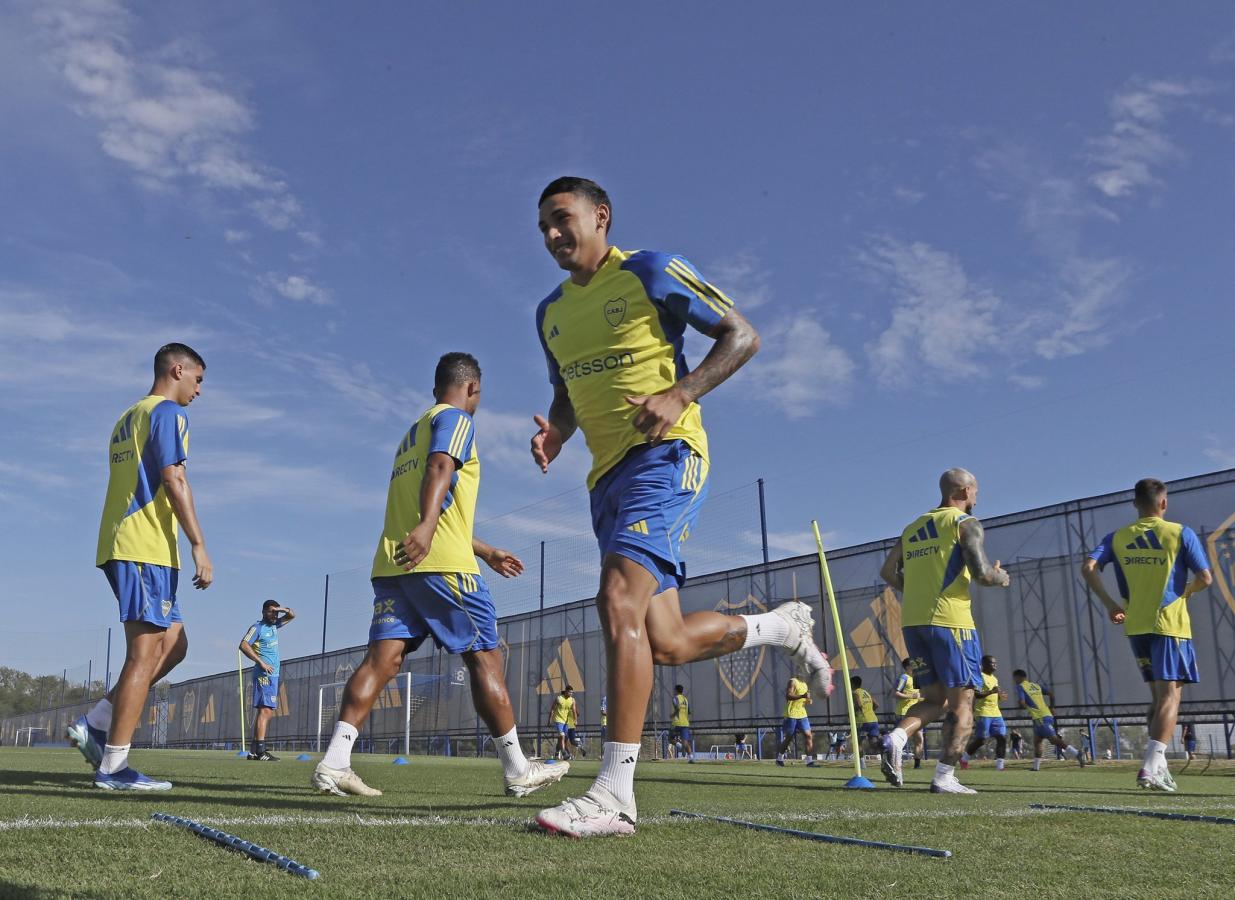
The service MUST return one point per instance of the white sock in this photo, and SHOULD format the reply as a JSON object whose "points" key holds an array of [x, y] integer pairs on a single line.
{"points": [[1155, 756], [114, 759], [339, 753], [999, 765], [898, 738], [514, 763], [100, 715], [1037, 763], [767, 628], [943, 773], [617, 771]]}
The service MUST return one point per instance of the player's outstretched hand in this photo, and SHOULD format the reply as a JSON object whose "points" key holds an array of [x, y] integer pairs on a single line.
{"points": [[505, 563], [546, 443], [1004, 578], [205, 569], [1117, 616], [658, 413], [414, 548]]}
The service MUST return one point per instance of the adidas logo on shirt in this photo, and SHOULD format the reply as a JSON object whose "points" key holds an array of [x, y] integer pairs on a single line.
{"points": [[1147, 541], [926, 532], [553, 332]]}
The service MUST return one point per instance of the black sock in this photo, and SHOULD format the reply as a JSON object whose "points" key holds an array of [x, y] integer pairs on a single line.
{"points": [[259, 747]]}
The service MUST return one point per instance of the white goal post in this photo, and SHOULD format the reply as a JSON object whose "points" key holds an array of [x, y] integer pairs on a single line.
{"points": [[29, 730], [744, 752], [330, 696]]}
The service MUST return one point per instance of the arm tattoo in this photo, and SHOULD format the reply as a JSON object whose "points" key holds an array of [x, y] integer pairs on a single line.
{"points": [[971, 539], [562, 413], [736, 342]]}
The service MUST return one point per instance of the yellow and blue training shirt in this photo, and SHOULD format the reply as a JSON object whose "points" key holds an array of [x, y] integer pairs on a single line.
{"points": [[988, 707], [139, 523], [563, 709], [264, 639], [796, 709], [905, 685], [681, 711], [1152, 560], [864, 705], [936, 577], [1034, 697], [621, 335], [442, 429]]}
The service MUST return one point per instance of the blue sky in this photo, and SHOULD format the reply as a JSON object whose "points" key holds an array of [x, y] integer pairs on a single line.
{"points": [[969, 235]]}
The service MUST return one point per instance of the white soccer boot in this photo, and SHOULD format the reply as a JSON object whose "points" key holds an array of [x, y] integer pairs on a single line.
{"points": [[949, 785], [597, 813], [807, 658], [890, 760], [538, 775], [341, 782]]}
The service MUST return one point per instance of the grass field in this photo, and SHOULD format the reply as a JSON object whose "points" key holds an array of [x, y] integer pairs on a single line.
{"points": [[443, 829]]}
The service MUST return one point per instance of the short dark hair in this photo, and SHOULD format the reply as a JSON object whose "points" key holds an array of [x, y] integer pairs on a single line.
{"points": [[679, 689], [584, 187], [906, 662], [170, 354], [855, 680], [988, 657], [455, 368], [1020, 673], [567, 688], [1148, 492], [268, 604]]}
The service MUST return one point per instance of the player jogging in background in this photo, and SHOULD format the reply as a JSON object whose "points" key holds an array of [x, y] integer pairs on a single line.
{"points": [[907, 694], [148, 500], [931, 564], [987, 717], [1152, 560], [797, 698], [261, 644], [612, 335], [679, 724], [560, 717], [1187, 734], [604, 718], [1038, 699], [426, 583], [864, 707]]}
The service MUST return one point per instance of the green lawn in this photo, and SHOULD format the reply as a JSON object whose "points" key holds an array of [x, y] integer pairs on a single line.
{"points": [[443, 829]]}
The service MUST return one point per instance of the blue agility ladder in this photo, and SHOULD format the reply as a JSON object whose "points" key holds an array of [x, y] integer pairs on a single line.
{"points": [[260, 854]]}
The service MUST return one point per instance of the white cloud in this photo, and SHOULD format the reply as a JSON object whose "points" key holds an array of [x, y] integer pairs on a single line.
{"points": [[1137, 143], [742, 278], [160, 112], [799, 367], [238, 478], [1219, 452], [1091, 287], [1028, 382], [942, 323], [908, 195], [296, 287], [235, 235]]}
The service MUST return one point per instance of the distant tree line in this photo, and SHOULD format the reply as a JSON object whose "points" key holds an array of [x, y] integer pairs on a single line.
{"points": [[21, 692]]}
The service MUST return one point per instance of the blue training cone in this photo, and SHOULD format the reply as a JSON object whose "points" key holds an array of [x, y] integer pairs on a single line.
{"points": [[242, 752], [400, 761], [860, 783], [303, 757]]}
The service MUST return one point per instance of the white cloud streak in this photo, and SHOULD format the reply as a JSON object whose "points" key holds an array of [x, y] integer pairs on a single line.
{"points": [[1137, 143], [800, 367]]}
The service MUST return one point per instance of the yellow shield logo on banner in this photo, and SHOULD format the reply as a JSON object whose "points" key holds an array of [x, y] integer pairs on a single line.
{"points": [[1222, 558], [739, 670]]}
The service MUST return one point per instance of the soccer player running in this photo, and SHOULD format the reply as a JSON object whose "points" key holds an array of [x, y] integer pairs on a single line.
{"points": [[612, 335], [932, 564], [1038, 699], [679, 723], [560, 716], [864, 706], [426, 583], [261, 644], [797, 698], [1152, 560], [907, 694], [987, 717], [148, 500]]}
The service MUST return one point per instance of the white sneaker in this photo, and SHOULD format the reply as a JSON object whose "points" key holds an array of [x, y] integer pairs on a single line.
{"points": [[341, 782], [949, 785], [807, 657], [891, 759], [538, 775], [595, 814]]}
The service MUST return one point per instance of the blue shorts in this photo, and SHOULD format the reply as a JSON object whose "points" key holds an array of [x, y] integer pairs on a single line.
{"points": [[941, 655], [679, 731], [988, 727], [645, 506], [1164, 658], [561, 727], [1190, 746], [265, 691], [455, 609], [146, 592], [1044, 727], [868, 730], [790, 727]]}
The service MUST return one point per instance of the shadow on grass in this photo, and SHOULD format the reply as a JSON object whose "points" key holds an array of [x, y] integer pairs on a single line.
{"points": [[10, 888]]}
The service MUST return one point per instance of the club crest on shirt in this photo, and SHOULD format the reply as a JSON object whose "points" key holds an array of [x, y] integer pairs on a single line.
{"points": [[615, 311]]}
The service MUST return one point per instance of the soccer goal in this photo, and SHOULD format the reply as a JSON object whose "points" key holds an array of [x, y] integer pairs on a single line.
{"points": [[396, 694], [732, 751], [29, 730]]}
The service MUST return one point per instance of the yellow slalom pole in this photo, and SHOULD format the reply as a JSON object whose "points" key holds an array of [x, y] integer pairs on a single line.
{"points": [[858, 780], [240, 679]]}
